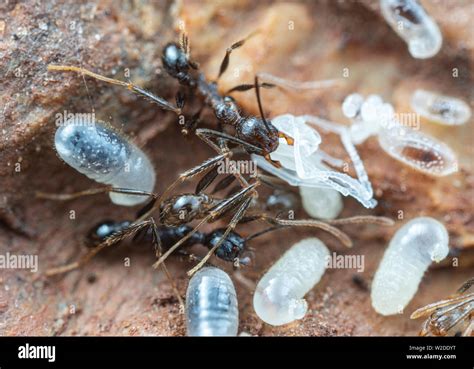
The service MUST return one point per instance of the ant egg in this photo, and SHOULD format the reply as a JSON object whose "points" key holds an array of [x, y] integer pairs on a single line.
{"points": [[411, 22], [441, 109], [211, 304], [278, 298], [321, 203], [410, 252], [105, 156]]}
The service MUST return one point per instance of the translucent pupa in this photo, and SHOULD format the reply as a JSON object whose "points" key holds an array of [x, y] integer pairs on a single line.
{"points": [[303, 162], [411, 22], [211, 304], [442, 109], [411, 251], [374, 117], [105, 156], [278, 297]]}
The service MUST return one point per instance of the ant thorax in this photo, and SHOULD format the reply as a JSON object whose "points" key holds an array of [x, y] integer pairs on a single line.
{"points": [[184, 208]]}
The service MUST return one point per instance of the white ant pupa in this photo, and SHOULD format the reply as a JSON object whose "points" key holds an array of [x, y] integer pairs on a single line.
{"points": [[411, 22], [278, 297], [442, 109], [211, 304], [418, 150], [302, 163], [411, 251], [102, 154]]}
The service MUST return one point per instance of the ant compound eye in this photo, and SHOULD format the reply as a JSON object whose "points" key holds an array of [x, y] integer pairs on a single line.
{"points": [[441, 109], [411, 22]]}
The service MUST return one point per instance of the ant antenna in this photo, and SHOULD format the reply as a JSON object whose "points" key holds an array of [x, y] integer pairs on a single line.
{"points": [[259, 101], [260, 233], [88, 92]]}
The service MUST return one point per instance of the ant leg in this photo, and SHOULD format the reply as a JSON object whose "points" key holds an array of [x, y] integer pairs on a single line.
{"points": [[156, 240], [210, 163], [344, 135], [363, 219], [225, 61], [110, 241], [215, 212], [287, 84], [129, 85], [91, 191], [465, 286], [340, 235], [233, 223]]}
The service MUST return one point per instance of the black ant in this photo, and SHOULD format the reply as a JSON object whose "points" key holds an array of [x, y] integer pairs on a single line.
{"points": [[184, 208], [255, 134]]}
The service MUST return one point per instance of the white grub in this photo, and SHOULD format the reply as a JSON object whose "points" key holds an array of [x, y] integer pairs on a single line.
{"points": [[303, 162], [278, 298], [410, 252], [416, 149], [442, 109], [321, 203], [98, 151], [211, 304], [411, 22]]}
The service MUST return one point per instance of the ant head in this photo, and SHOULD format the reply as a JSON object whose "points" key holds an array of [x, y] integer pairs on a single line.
{"points": [[231, 248], [260, 133], [175, 60]]}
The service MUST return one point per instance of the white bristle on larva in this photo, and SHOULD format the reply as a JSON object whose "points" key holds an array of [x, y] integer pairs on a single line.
{"points": [[410, 252], [102, 154], [278, 297], [211, 304], [321, 203]]}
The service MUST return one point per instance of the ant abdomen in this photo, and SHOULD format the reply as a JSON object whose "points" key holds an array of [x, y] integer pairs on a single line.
{"points": [[105, 156]]}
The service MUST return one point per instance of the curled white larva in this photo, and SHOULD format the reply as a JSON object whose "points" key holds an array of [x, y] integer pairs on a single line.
{"points": [[321, 203], [105, 156], [418, 150], [441, 109], [411, 22], [410, 252], [278, 298], [211, 304]]}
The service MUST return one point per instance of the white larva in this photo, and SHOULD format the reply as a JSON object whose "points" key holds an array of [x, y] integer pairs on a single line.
{"points": [[442, 109], [410, 252], [411, 22], [278, 297], [211, 304], [105, 156], [321, 203]]}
